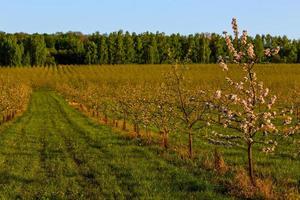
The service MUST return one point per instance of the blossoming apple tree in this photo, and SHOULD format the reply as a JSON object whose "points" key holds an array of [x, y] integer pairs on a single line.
{"points": [[246, 105]]}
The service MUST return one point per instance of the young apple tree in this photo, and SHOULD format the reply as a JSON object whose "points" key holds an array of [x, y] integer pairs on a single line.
{"points": [[191, 104], [247, 105]]}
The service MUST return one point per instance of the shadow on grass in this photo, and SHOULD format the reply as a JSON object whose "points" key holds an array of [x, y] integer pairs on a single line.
{"points": [[6, 177]]}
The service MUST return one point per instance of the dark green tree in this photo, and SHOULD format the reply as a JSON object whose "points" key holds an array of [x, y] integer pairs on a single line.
{"points": [[11, 52], [175, 46], [192, 51], [120, 53], [259, 48], [298, 51], [153, 56], [26, 59], [90, 53], [291, 52], [112, 48], [129, 48], [38, 51], [163, 47], [204, 50], [103, 51], [139, 51]]}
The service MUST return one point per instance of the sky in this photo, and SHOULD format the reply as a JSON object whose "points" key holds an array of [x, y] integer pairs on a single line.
{"points": [[276, 17]]}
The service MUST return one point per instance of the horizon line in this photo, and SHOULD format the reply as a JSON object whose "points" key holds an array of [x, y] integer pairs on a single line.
{"points": [[138, 33]]}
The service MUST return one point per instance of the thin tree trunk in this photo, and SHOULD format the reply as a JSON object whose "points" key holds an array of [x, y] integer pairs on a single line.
{"points": [[148, 133], [8, 117], [124, 124], [166, 139], [250, 164], [190, 144], [137, 130], [105, 119]]}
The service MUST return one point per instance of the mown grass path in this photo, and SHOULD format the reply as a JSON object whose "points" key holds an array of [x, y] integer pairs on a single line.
{"points": [[54, 152]]}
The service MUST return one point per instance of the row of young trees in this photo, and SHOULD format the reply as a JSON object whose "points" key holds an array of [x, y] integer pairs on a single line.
{"points": [[126, 48], [14, 97], [177, 106]]}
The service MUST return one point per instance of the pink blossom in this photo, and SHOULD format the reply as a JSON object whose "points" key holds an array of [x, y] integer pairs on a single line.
{"points": [[218, 94], [223, 65], [244, 38], [250, 51]]}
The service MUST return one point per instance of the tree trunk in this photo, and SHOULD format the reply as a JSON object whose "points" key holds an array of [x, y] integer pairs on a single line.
{"points": [[190, 144], [148, 133], [250, 164], [8, 117], [137, 130], [166, 139], [105, 119], [124, 124]]}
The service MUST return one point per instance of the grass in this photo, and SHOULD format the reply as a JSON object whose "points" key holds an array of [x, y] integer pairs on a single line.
{"points": [[282, 166], [54, 152]]}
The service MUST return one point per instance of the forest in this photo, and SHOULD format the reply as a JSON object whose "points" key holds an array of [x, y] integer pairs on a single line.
{"points": [[21, 49]]}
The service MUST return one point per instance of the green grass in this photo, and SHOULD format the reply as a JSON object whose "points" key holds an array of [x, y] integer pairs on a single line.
{"points": [[282, 166], [54, 152]]}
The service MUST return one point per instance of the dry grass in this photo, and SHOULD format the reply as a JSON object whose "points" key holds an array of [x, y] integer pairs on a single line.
{"points": [[220, 166], [242, 187]]}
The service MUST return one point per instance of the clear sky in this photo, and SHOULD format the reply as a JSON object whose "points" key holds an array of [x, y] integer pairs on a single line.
{"points": [[277, 17]]}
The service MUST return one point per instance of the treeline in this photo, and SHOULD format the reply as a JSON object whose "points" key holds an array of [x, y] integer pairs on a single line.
{"points": [[22, 49]]}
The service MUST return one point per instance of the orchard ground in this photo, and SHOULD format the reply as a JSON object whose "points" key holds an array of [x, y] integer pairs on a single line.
{"points": [[54, 151]]}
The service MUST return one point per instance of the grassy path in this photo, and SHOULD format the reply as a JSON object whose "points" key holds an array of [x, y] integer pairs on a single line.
{"points": [[54, 152]]}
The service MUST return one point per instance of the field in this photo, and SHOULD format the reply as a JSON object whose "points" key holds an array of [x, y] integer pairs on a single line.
{"points": [[92, 132]]}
